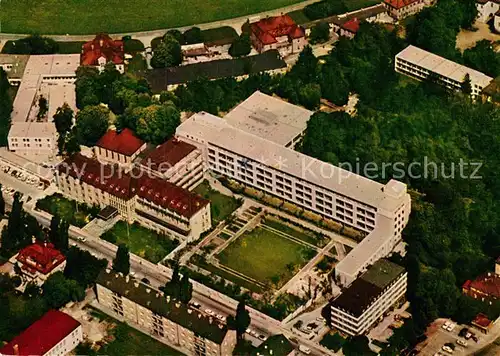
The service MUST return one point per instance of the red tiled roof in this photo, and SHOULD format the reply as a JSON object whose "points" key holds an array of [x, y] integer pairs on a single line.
{"points": [[42, 257], [268, 29], [124, 142], [167, 155], [105, 177], [102, 46], [481, 320], [486, 284], [126, 186], [42, 335], [352, 25], [398, 4], [170, 196]]}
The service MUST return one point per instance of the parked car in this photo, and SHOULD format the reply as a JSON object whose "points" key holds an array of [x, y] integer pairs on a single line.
{"points": [[304, 349], [462, 342], [446, 324], [447, 349], [262, 337], [451, 327], [195, 305]]}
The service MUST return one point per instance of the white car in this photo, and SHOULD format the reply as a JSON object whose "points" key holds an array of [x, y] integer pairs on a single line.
{"points": [[447, 349], [209, 312], [221, 317], [304, 349], [451, 327], [446, 324], [462, 342]]}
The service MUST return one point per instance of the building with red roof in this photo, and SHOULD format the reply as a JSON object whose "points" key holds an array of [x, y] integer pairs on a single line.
{"points": [[278, 32], [37, 262], [399, 9], [482, 322], [486, 287], [136, 195], [176, 161], [102, 50], [55, 333], [119, 146]]}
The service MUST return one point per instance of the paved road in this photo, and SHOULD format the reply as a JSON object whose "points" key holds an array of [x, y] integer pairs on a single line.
{"points": [[147, 36]]}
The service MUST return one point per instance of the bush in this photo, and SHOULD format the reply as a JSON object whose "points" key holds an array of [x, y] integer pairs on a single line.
{"points": [[320, 32], [324, 9], [34, 44], [241, 46], [133, 46]]}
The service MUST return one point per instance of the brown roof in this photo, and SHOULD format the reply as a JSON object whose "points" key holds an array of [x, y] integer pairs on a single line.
{"points": [[482, 321], [167, 155]]}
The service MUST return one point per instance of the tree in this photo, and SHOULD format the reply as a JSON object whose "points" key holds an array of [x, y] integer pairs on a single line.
{"points": [[75, 259], [61, 241], [310, 95], [241, 46], [5, 107], [13, 235], [121, 263], [156, 123], [483, 58], [177, 35], [241, 321], [306, 68], [466, 85], [87, 87], [34, 44], [2, 204], [356, 346], [185, 289], [32, 290], [106, 80], [172, 287], [42, 107], [320, 32], [63, 119], [91, 124], [167, 54], [54, 229], [57, 290], [193, 35]]}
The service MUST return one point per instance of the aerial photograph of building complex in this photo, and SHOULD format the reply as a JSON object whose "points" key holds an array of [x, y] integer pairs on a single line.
{"points": [[284, 177]]}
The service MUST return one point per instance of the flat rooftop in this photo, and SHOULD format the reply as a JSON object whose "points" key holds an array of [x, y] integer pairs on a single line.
{"points": [[219, 132], [53, 64], [18, 62], [368, 287], [32, 129], [442, 66], [269, 117]]}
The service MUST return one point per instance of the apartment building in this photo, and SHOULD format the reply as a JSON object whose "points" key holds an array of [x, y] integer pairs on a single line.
{"points": [[33, 135], [119, 147], [486, 9], [278, 32], [422, 65], [37, 262], [153, 202], [178, 162], [381, 211], [400, 9], [54, 334], [366, 300], [170, 321]]}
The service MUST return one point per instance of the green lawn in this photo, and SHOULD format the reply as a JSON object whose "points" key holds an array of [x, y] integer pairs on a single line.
{"points": [[129, 341], [265, 256], [120, 16], [306, 236], [67, 209], [221, 206], [359, 4], [142, 242], [299, 17]]}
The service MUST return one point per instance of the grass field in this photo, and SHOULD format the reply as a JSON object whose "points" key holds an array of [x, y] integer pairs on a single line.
{"points": [[142, 242], [265, 256], [121, 16], [221, 206], [308, 237], [66, 209]]}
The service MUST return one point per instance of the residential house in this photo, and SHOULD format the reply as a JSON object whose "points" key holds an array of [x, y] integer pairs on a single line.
{"points": [[54, 334], [401, 9], [119, 146], [102, 50]]}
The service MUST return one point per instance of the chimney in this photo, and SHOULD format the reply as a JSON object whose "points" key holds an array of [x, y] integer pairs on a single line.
{"points": [[33, 239], [136, 285], [148, 290], [190, 311], [168, 299], [127, 278], [177, 305], [16, 349], [108, 270], [210, 320]]}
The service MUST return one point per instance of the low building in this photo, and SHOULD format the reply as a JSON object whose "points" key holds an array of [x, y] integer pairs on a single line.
{"points": [[496, 21], [55, 333], [32, 135], [486, 287], [371, 295], [37, 262], [120, 147], [178, 162], [271, 118], [482, 322], [278, 32], [349, 28], [168, 320], [14, 65], [401, 9], [153, 202], [491, 93], [275, 345], [102, 50], [486, 9], [422, 65]]}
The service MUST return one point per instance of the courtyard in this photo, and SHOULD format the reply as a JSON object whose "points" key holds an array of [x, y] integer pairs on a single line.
{"points": [[141, 241], [77, 214], [265, 256], [221, 206]]}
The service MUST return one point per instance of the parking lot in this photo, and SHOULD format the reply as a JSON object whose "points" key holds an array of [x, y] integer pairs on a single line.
{"points": [[447, 338], [15, 180]]}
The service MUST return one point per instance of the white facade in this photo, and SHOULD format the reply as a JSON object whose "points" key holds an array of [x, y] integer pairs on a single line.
{"points": [[380, 210], [486, 9], [68, 344], [111, 157], [420, 64], [497, 21], [358, 325], [401, 9]]}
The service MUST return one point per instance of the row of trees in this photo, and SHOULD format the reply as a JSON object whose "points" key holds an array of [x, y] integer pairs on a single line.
{"points": [[5, 107]]}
